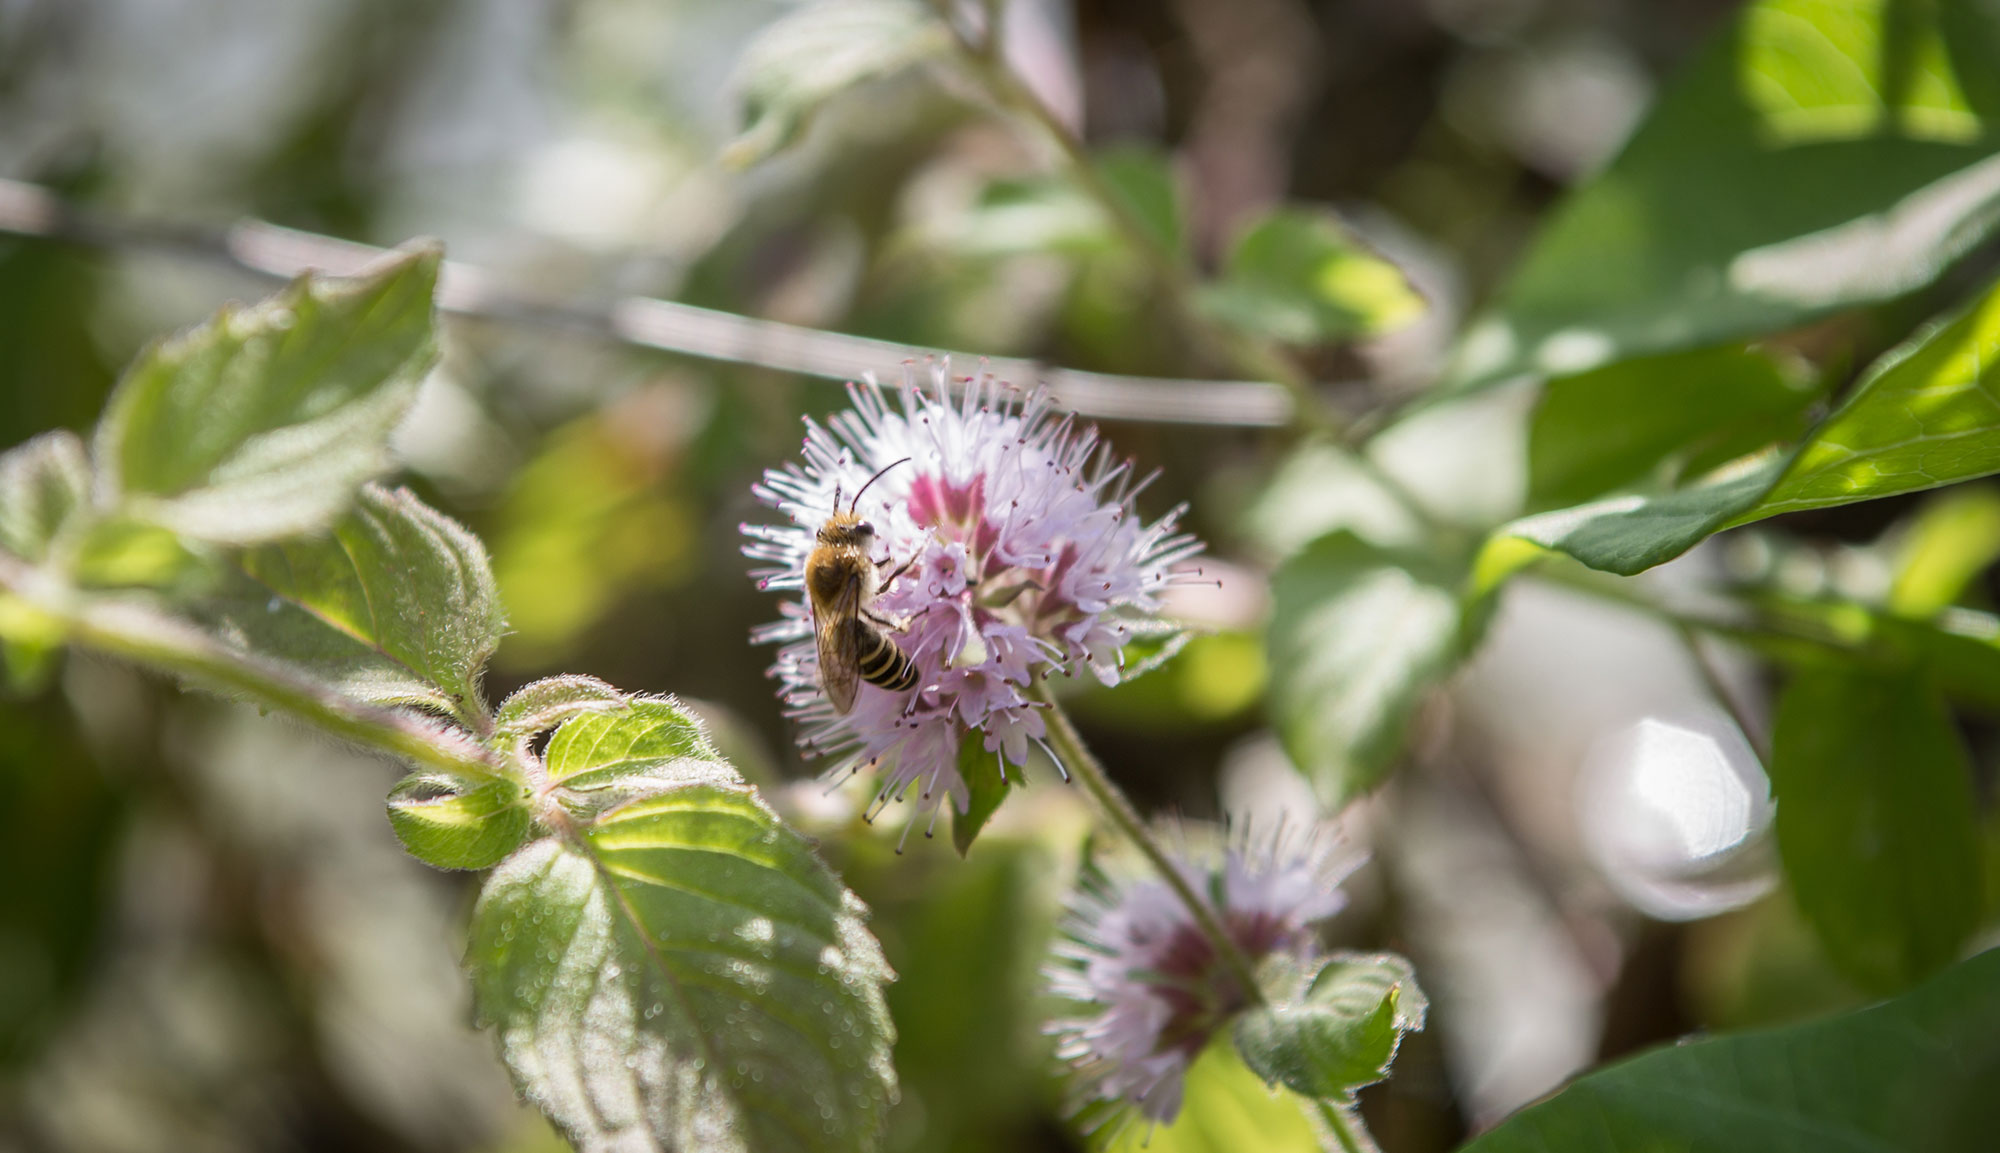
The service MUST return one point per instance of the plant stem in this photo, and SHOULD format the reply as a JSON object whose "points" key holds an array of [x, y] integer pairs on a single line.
{"points": [[1252, 355], [143, 635], [1711, 678], [1115, 807], [1344, 1122]]}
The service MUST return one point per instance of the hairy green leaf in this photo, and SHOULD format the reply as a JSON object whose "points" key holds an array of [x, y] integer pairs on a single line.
{"points": [[542, 705], [459, 823], [1297, 276], [1913, 1073], [649, 744], [686, 975], [1357, 634], [1926, 414], [817, 52], [1818, 155], [42, 482], [397, 603], [1875, 821], [1684, 413], [1337, 1030], [261, 423]]}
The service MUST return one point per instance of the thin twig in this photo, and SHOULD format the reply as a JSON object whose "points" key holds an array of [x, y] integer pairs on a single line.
{"points": [[269, 251], [1711, 678]]}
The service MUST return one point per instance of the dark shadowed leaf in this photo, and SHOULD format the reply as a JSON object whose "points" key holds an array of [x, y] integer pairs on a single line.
{"points": [[1816, 156], [455, 823], [1875, 821], [261, 423], [542, 705], [1336, 1030], [981, 771], [1297, 276], [41, 483], [1358, 633], [1913, 1073], [817, 52], [1634, 421], [685, 975], [402, 597]]}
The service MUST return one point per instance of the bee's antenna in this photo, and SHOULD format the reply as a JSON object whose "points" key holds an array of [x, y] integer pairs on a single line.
{"points": [[864, 488]]}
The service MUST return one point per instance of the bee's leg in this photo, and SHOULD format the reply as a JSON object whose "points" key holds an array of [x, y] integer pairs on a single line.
{"points": [[900, 569]]}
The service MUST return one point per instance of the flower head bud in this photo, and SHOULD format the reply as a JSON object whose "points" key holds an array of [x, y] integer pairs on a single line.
{"points": [[1015, 554], [1160, 988]]}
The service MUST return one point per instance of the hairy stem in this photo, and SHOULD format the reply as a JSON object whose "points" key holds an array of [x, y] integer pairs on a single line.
{"points": [[1118, 810], [136, 632], [1344, 1122]]}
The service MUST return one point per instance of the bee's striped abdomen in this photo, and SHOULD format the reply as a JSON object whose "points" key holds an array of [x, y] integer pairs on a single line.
{"points": [[882, 663]]}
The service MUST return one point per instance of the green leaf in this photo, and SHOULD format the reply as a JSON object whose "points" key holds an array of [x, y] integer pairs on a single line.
{"points": [[542, 705], [1298, 277], [1875, 821], [261, 423], [1224, 1109], [1623, 424], [42, 482], [686, 975], [1016, 216], [1357, 634], [403, 598], [1913, 1073], [1339, 1030], [982, 773], [1926, 414], [455, 823], [648, 745], [1954, 539], [1143, 180], [1817, 155], [817, 52]]}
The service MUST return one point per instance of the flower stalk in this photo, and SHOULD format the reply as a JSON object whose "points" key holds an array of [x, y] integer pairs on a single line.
{"points": [[1112, 803]]}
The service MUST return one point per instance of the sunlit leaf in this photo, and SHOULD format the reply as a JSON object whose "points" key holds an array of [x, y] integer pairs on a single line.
{"points": [[646, 744], [1954, 539], [1623, 424], [1926, 414], [1875, 821], [817, 52], [1225, 1109], [1297, 276], [397, 602], [459, 824], [41, 483], [1338, 1029], [686, 975], [1817, 155], [261, 423], [542, 705], [1358, 633], [1913, 1073]]}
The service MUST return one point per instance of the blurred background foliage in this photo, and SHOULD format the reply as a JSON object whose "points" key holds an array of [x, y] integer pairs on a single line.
{"points": [[175, 979]]}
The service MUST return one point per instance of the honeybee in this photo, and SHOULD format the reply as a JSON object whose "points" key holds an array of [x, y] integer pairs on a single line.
{"points": [[842, 581]]}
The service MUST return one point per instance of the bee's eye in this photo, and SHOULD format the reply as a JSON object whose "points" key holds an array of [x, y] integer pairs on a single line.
{"points": [[864, 529]]}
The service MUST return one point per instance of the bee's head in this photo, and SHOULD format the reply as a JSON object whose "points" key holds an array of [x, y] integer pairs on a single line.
{"points": [[845, 529]]}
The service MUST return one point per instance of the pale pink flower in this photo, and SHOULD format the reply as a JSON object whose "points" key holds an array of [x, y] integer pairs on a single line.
{"points": [[1134, 951], [1025, 559]]}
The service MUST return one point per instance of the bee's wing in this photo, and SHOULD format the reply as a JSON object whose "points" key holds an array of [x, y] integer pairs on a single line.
{"points": [[839, 647]]}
